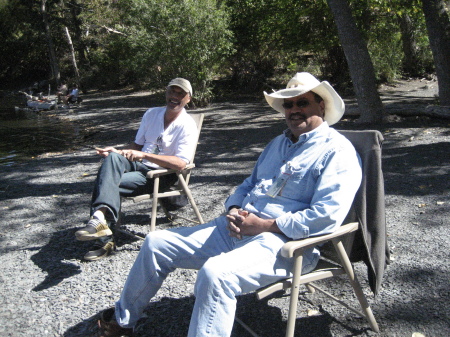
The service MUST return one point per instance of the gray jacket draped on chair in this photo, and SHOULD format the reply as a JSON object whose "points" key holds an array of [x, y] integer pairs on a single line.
{"points": [[369, 207]]}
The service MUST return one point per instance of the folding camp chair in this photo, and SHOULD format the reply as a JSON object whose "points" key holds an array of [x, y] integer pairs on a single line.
{"points": [[180, 188], [362, 237]]}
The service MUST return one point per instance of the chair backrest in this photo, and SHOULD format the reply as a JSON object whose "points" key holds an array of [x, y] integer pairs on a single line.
{"points": [[198, 118]]}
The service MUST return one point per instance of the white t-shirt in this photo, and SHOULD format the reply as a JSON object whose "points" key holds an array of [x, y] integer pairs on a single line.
{"points": [[179, 139]]}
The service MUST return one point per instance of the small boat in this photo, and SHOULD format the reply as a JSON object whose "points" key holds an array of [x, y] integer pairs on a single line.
{"points": [[41, 105]]}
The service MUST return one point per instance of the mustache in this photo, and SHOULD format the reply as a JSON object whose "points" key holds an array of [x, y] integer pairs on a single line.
{"points": [[297, 114]]}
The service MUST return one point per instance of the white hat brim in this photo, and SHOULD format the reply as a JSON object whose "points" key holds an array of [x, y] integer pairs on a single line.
{"points": [[334, 105]]}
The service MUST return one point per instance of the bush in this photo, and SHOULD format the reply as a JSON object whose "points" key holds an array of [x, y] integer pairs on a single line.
{"points": [[163, 39]]}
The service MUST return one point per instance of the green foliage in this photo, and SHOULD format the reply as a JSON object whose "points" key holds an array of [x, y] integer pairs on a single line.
{"points": [[23, 50], [161, 40], [379, 22], [260, 43], [277, 38]]}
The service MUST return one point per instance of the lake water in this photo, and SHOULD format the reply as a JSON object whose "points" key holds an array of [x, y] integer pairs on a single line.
{"points": [[29, 134]]}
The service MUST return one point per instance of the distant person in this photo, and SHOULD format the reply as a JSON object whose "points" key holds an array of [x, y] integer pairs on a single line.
{"points": [[72, 97], [167, 137], [34, 90], [62, 92], [302, 185]]}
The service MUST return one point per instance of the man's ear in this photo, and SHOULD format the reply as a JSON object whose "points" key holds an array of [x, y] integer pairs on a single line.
{"points": [[322, 108]]}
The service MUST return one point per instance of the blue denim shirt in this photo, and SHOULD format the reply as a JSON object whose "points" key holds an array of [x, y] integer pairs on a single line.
{"points": [[322, 173]]}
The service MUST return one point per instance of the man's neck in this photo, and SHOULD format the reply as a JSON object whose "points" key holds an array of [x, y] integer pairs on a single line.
{"points": [[170, 116]]}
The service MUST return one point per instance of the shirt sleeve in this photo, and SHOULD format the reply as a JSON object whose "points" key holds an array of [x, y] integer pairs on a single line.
{"points": [[237, 198], [240, 193], [187, 141], [140, 135], [339, 177]]}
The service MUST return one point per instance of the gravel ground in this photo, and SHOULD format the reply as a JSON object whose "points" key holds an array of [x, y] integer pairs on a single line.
{"points": [[48, 290]]}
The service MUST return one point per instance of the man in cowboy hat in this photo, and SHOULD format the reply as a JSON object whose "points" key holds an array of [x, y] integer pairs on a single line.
{"points": [[303, 184], [167, 137]]}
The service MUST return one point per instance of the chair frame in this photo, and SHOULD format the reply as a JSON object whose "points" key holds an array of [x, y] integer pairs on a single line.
{"points": [[295, 249], [181, 188]]}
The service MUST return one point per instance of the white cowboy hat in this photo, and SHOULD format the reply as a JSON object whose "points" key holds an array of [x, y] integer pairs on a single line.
{"points": [[300, 84]]}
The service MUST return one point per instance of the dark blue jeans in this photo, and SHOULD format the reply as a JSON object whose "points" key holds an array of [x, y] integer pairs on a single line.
{"points": [[120, 177]]}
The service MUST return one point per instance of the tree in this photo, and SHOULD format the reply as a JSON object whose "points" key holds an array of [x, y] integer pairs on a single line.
{"points": [[359, 62], [51, 50], [438, 27], [24, 53], [411, 60]]}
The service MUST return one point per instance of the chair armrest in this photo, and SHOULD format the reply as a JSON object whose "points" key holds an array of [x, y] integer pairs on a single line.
{"points": [[162, 172], [290, 247], [159, 172]]}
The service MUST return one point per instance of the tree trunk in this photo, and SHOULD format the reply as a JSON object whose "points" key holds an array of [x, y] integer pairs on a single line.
{"points": [[72, 52], [360, 65], [51, 49], [410, 61], [438, 27], [79, 44]]}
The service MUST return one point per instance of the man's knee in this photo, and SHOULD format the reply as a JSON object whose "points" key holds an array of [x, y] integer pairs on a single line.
{"points": [[112, 158], [155, 241], [213, 276]]}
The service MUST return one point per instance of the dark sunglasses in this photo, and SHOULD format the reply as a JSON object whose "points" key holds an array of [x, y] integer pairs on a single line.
{"points": [[301, 103]]}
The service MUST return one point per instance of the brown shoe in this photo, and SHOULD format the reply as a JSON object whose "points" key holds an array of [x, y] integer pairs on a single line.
{"points": [[94, 229], [100, 250], [109, 326]]}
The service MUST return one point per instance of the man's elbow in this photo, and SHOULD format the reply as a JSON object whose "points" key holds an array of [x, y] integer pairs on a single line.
{"points": [[179, 165]]}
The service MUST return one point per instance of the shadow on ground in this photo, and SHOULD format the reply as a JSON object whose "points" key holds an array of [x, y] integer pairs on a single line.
{"points": [[170, 317]]}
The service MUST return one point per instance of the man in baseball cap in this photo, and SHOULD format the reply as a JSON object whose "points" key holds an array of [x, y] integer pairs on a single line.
{"points": [[166, 138]]}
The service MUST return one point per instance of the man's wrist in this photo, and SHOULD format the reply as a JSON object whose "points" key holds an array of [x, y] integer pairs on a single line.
{"points": [[273, 226]]}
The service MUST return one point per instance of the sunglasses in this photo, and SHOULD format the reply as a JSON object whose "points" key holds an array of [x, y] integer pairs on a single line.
{"points": [[301, 103]]}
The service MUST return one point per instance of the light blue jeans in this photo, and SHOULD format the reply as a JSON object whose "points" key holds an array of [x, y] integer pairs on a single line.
{"points": [[227, 267]]}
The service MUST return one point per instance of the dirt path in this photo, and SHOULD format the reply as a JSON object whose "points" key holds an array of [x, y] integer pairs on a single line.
{"points": [[47, 290]]}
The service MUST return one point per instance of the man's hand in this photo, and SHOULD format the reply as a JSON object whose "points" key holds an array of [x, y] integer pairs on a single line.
{"points": [[241, 222], [104, 152], [235, 219], [133, 155]]}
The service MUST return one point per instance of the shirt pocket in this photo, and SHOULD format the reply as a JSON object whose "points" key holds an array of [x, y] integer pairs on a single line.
{"points": [[296, 183]]}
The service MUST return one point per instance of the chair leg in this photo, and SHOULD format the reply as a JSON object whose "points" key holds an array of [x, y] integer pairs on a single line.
{"points": [[190, 197], [310, 289], [154, 204], [295, 288], [346, 264]]}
